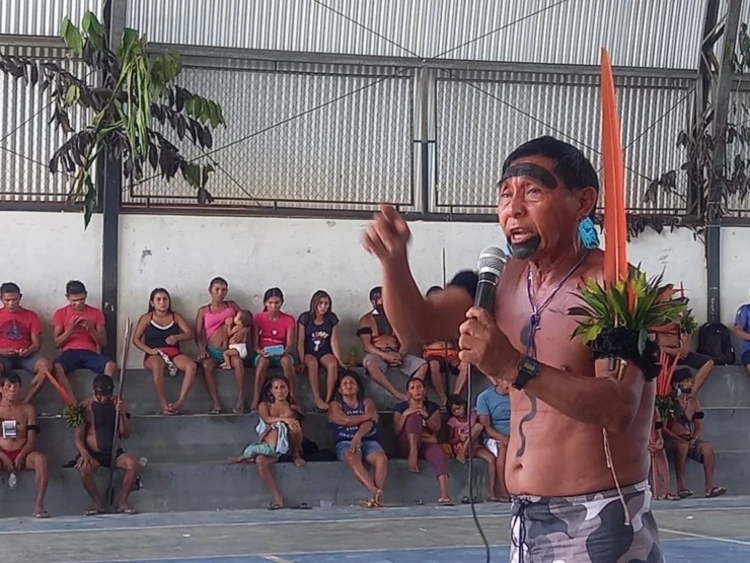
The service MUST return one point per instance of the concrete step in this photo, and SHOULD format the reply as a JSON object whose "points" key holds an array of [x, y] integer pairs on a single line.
{"points": [[732, 472], [194, 437], [727, 386], [727, 428], [139, 391], [219, 486]]}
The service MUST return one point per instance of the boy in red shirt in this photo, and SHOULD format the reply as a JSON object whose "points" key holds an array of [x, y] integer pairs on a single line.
{"points": [[79, 334], [20, 342]]}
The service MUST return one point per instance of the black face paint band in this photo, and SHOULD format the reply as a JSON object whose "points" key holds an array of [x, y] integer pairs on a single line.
{"points": [[533, 171]]}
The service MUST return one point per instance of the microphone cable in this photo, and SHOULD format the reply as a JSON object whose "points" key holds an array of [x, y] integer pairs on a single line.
{"points": [[470, 374]]}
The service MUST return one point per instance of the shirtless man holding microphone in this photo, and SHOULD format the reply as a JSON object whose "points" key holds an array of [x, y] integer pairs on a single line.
{"points": [[566, 507]]}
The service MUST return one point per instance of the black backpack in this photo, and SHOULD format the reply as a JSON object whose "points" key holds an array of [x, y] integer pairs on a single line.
{"points": [[715, 341]]}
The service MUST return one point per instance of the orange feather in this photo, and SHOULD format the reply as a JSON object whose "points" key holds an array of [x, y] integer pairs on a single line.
{"points": [[614, 227]]}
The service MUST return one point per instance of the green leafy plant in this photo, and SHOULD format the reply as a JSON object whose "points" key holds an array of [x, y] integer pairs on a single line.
{"points": [[636, 304], [665, 406], [74, 415], [688, 324], [134, 92]]}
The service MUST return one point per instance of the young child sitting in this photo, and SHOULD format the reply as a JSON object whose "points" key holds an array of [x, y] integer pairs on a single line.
{"points": [[458, 437], [237, 330]]}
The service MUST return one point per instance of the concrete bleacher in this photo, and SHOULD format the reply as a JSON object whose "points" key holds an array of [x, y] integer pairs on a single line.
{"points": [[186, 466], [186, 455]]}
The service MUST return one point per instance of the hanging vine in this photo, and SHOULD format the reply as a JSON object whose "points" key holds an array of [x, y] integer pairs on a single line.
{"points": [[699, 170]]}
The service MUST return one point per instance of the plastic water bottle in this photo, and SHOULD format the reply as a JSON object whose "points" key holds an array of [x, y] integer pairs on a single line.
{"points": [[12, 481]]}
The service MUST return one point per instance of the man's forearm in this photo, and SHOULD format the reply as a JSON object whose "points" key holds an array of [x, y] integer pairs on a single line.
{"points": [[364, 428], [404, 304], [81, 447], [30, 443], [601, 401]]}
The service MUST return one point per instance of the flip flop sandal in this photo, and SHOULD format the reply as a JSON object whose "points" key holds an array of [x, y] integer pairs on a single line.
{"points": [[130, 510], [302, 506], [93, 512], [671, 496], [685, 493], [214, 411], [716, 492], [41, 515], [445, 503], [274, 506]]}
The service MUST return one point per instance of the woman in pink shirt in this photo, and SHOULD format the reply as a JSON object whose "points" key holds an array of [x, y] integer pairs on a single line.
{"points": [[209, 338], [274, 340]]}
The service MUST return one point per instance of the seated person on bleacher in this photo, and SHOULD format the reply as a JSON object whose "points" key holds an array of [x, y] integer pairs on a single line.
{"points": [[18, 445], [354, 420], [382, 348], [742, 331], [79, 334], [20, 340], [279, 434], [673, 342], [95, 443], [682, 435], [442, 356]]}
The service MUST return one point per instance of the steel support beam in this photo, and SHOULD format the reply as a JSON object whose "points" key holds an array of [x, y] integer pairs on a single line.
{"points": [[110, 198], [713, 206]]}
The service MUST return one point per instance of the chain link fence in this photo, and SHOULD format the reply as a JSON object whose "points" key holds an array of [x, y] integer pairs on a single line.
{"points": [[335, 137], [301, 136], [27, 140], [483, 116]]}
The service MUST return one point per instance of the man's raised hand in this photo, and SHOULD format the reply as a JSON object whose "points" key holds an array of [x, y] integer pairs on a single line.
{"points": [[387, 234]]}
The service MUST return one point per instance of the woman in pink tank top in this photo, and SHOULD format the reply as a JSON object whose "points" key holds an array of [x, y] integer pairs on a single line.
{"points": [[210, 336]]}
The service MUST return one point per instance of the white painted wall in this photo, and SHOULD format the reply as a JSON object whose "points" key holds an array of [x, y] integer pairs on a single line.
{"points": [[44, 250]]}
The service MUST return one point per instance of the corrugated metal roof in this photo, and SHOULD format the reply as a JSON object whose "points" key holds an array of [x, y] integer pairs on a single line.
{"points": [[42, 17], [639, 33]]}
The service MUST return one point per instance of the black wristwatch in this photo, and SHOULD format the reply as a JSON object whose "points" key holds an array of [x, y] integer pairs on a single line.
{"points": [[528, 369]]}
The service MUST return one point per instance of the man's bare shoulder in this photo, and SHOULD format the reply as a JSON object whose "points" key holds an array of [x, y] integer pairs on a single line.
{"points": [[366, 319]]}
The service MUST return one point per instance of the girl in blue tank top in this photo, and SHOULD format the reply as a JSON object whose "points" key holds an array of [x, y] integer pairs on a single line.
{"points": [[354, 421]]}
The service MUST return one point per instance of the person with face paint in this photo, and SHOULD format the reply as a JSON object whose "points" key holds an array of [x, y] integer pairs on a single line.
{"points": [[383, 348], [93, 441], [561, 399], [683, 432]]}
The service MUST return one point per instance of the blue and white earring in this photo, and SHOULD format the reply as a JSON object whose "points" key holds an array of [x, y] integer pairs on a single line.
{"points": [[588, 234]]}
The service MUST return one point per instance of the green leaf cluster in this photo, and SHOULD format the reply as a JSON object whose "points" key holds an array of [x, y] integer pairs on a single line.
{"points": [[137, 91], [637, 303]]}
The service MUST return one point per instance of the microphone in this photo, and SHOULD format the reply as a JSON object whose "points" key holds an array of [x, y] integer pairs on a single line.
{"points": [[490, 264]]}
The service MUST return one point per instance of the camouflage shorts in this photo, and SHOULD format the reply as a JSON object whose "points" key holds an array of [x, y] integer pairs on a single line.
{"points": [[585, 529]]}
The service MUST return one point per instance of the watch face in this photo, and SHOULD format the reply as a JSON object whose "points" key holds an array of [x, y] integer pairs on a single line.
{"points": [[528, 365]]}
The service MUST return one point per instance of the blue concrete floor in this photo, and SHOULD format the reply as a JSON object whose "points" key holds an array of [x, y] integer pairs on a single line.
{"points": [[675, 551], [695, 531]]}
